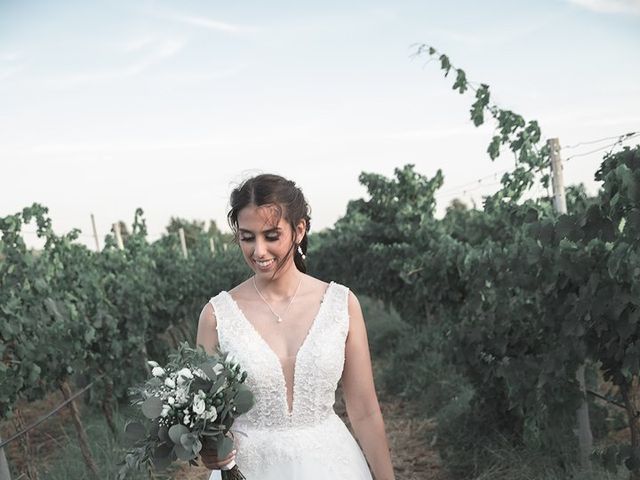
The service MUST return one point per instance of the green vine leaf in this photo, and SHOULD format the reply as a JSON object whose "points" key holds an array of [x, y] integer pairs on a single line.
{"points": [[461, 81], [445, 64]]}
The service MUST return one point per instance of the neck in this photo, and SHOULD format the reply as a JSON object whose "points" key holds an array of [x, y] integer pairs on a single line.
{"points": [[284, 285]]}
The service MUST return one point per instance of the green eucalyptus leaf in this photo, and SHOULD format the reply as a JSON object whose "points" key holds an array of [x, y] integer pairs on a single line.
{"points": [[163, 433], [207, 368], [244, 400], [182, 453], [152, 407], [162, 456], [187, 440], [196, 446], [134, 431], [176, 431]]}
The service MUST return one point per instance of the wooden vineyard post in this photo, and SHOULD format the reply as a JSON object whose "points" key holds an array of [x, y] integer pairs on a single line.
{"points": [[5, 474], [116, 231], [585, 438], [183, 242], [95, 233], [107, 406], [25, 444], [82, 434]]}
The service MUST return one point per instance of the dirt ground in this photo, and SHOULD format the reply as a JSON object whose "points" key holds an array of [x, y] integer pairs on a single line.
{"points": [[411, 454], [45, 439]]}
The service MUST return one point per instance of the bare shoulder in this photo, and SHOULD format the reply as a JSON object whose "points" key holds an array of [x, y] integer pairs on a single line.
{"points": [[356, 317], [207, 335], [354, 303], [313, 289], [208, 315], [242, 290], [316, 283]]}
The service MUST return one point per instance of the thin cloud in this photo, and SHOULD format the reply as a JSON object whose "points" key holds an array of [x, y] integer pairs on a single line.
{"points": [[609, 6], [209, 23], [160, 51], [464, 38], [495, 37], [136, 44], [198, 77], [80, 147], [205, 22]]}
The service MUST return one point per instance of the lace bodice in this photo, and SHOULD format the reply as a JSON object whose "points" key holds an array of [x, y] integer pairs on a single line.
{"points": [[317, 369]]}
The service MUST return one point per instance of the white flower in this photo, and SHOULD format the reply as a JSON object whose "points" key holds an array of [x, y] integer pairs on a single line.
{"points": [[185, 372], [171, 400], [169, 382], [198, 405], [181, 395], [151, 363], [218, 369], [199, 373], [211, 414], [186, 420], [165, 410], [157, 371]]}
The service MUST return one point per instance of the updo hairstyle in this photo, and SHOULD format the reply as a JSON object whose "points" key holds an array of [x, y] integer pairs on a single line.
{"points": [[284, 197]]}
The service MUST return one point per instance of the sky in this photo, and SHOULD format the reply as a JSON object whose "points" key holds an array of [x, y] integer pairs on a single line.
{"points": [[167, 106]]}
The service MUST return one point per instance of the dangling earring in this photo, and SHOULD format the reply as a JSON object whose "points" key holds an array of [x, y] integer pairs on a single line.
{"points": [[300, 252]]}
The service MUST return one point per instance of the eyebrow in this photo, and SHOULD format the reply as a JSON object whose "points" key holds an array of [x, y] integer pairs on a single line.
{"points": [[274, 229]]}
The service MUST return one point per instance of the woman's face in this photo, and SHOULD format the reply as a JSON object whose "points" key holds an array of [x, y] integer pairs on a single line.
{"points": [[264, 240]]}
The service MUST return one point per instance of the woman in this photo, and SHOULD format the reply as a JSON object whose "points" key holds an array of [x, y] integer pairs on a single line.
{"points": [[296, 336]]}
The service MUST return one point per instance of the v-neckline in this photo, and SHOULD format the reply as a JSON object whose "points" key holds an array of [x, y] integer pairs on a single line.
{"points": [[275, 355]]}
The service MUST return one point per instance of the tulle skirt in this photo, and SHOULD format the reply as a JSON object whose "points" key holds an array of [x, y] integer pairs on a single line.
{"points": [[322, 451]]}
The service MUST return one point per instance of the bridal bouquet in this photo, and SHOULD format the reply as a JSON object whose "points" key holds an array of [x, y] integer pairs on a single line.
{"points": [[194, 396]]}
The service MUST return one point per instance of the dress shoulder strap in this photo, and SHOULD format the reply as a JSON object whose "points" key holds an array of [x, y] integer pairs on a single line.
{"points": [[338, 307], [224, 315]]}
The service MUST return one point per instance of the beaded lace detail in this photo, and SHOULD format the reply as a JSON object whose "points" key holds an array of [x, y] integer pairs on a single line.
{"points": [[272, 432], [318, 363]]}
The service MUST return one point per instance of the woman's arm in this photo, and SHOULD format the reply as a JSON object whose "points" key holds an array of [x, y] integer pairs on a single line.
{"points": [[360, 396], [207, 335]]}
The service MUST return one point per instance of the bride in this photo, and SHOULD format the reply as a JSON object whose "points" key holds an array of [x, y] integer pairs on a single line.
{"points": [[297, 337]]}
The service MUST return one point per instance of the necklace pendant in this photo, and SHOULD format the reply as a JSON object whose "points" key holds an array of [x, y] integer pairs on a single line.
{"points": [[279, 319]]}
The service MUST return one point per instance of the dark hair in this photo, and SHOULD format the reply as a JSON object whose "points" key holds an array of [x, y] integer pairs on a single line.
{"points": [[281, 194]]}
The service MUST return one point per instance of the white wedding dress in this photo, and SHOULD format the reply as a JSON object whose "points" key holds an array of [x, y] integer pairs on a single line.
{"points": [[311, 442]]}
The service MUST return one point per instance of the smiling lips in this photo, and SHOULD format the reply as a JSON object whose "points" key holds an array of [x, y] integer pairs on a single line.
{"points": [[264, 264]]}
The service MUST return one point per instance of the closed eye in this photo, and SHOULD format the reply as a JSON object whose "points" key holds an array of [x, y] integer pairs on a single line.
{"points": [[250, 239]]}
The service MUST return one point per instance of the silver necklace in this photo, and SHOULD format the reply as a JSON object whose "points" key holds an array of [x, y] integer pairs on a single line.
{"points": [[278, 317]]}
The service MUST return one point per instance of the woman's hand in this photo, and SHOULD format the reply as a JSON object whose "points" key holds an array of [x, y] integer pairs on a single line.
{"points": [[209, 456]]}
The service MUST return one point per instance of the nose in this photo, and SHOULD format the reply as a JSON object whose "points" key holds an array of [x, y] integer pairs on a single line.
{"points": [[260, 248]]}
